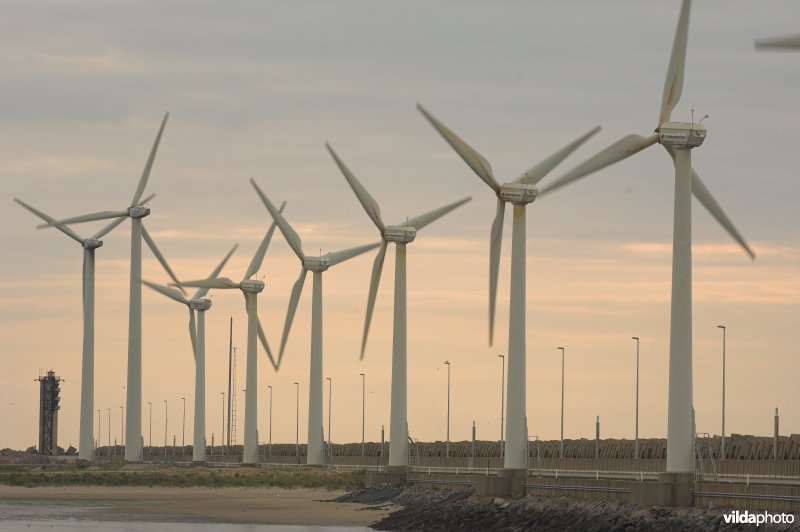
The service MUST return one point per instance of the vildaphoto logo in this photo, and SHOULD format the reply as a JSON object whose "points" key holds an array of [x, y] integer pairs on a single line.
{"points": [[763, 518]]}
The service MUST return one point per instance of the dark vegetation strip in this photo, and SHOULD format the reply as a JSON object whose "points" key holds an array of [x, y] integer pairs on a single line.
{"points": [[187, 478]]}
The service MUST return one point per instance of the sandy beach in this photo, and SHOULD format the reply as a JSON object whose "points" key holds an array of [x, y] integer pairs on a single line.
{"points": [[299, 506]]}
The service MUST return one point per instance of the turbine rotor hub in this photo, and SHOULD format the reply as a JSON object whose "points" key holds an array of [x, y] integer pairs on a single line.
{"points": [[252, 286], [200, 304], [400, 234], [92, 243], [317, 264], [681, 134], [518, 193], [138, 212]]}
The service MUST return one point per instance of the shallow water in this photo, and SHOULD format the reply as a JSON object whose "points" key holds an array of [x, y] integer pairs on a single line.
{"points": [[82, 515]]}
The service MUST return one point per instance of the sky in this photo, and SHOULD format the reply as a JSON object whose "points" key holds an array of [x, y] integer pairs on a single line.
{"points": [[256, 89]]}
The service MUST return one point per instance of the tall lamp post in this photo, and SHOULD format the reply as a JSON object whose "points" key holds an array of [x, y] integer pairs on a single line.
{"points": [[636, 444], [330, 398], [297, 423], [562, 402], [109, 427], [150, 445], [166, 417], [270, 420], [98, 428], [122, 424], [222, 433], [722, 447], [183, 429], [502, 404], [363, 388], [447, 447]]}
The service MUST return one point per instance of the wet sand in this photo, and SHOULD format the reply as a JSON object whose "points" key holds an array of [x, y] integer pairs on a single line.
{"points": [[300, 506]]}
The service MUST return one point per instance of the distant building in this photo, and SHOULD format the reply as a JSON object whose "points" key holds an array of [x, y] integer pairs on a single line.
{"points": [[49, 398]]}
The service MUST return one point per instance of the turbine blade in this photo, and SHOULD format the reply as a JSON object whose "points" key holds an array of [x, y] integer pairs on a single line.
{"points": [[258, 258], [193, 333], [786, 42], [221, 283], [149, 164], [495, 244], [52, 221], [263, 338], [147, 200], [673, 84], [346, 254], [107, 229], [152, 245], [367, 201], [103, 215], [167, 291], [535, 173], [297, 289], [203, 291], [377, 268], [422, 220], [291, 236], [703, 195], [474, 160], [622, 149]]}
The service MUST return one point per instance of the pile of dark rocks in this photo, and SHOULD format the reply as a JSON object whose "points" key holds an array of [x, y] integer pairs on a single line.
{"points": [[423, 508]]}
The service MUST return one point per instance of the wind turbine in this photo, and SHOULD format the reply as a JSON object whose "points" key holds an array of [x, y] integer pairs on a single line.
{"points": [[86, 439], [519, 193], [316, 265], [197, 334], [250, 289], [400, 235], [136, 211], [678, 138], [786, 42]]}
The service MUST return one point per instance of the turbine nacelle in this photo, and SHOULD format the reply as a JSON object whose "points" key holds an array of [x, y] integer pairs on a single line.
{"points": [[518, 193], [317, 264], [681, 134], [400, 234], [92, 243], [252, 286], [201, 304], [138, 211]]}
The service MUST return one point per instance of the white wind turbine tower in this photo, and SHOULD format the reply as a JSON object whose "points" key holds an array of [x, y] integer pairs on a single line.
{"points": [[317, 265], [197, 334], [678, 138], [250, 289], [86, 436], [400, 235], [519, 193], [136, 211]]}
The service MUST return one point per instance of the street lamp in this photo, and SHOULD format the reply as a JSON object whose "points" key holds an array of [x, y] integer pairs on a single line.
{"points": [[270, 420], [109, 427], [98, 427], [122, 423], [722, 447], [447, 447], [363, 388], [150, 445], [183, 430], [222, 433], [562, 401], [502, 405], [330, 398], [166, 417], [297, 423], [636, 445]]}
